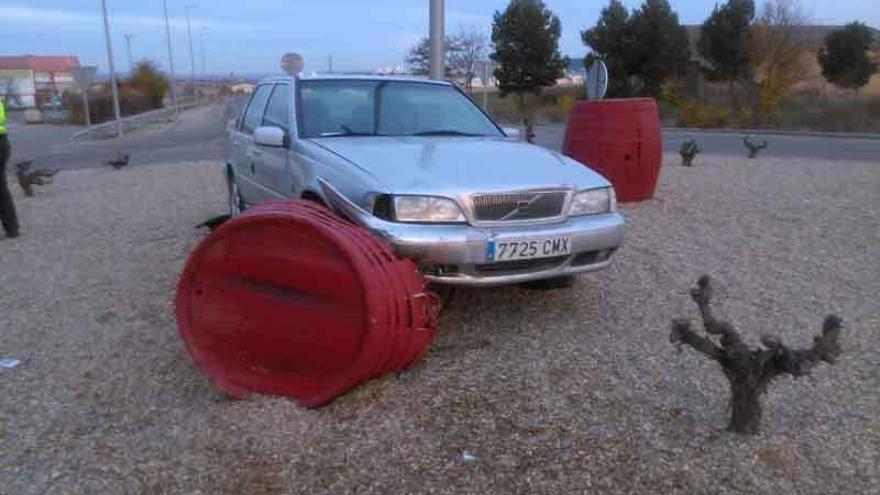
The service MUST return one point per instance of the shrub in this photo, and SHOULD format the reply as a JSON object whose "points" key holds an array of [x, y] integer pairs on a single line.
{"points": [[696, 113], [142, 92]]}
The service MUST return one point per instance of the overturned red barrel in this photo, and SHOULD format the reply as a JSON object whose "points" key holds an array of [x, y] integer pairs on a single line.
{"points": [[620, 139], [289, 299]]}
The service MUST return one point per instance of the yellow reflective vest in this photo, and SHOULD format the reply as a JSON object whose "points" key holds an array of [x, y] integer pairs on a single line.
{"points": [[2, 118]]}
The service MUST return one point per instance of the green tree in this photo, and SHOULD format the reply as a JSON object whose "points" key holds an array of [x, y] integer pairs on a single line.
{"points": [[724, 40], [418, 60], [660, 47], [844, 56], [526, 38], [610, 39], [150, 82]]}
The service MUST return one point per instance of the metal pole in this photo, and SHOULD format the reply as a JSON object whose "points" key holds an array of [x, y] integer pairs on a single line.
{"points": [[436, 39], [128, 48], [113, 89], [192, 57], [85, 97], [170, 60], [202, 47]]}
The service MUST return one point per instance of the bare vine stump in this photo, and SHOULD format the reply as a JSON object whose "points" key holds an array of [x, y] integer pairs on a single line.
{"points": [[749, 370], [754, 146], [688, 150], [27, 178]]}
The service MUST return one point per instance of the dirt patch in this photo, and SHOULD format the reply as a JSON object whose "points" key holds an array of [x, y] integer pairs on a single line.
{"points": [[574, 390]]}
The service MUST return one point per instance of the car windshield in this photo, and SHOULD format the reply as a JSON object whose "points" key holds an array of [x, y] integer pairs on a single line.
{"points": [[334, 108]]}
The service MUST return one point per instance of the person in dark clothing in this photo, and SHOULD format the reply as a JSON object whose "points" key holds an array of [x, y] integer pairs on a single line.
{"points": [[7, 209]]}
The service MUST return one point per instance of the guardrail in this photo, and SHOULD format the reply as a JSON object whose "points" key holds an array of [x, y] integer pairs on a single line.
{"points": [[107, 130]]}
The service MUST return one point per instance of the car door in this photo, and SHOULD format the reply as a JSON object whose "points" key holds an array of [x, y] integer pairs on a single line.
{"points": [[246, 154], [273, 169]]}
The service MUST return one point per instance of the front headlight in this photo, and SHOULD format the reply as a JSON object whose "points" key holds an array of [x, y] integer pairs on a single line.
{"points": [[426, 209], [593, 201]]}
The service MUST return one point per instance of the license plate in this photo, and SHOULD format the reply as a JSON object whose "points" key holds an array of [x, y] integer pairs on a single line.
{"points": [[524, 249]]}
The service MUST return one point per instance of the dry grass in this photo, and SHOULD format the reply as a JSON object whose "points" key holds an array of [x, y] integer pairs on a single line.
{"points": [[554, 392]]}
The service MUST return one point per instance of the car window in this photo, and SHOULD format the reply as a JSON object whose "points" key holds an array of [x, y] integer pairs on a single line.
{"points": [[407, 109], [254, 114], [339, 108], [278, 109]]}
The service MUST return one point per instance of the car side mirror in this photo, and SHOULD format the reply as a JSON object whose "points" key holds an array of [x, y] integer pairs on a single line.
{"points": [[270, 136], [513, 133]]}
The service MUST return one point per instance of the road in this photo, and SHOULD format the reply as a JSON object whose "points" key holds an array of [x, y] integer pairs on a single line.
{"points": [[199, 135], [727, 144]]}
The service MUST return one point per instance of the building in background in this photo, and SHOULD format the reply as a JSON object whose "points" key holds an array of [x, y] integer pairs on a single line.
{"points": [[32, 81], [241, 88]]}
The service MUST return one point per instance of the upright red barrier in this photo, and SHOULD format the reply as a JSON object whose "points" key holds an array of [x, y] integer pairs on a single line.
{"points": [[620, 139], [289, 299]]}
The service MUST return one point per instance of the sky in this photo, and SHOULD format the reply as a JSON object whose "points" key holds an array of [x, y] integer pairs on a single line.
{"points": [[249, 37]]}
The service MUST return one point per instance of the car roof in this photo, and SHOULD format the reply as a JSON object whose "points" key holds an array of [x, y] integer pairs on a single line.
{"points": [[353, 77]]}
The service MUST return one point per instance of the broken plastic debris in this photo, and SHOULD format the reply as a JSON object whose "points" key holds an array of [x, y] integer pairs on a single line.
{"points": [[468, 457], [9, 363]]}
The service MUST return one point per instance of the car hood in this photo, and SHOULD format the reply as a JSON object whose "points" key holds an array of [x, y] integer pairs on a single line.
{"points": [[459, 165]]}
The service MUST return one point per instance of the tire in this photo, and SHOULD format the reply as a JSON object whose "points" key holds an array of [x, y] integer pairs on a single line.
{"points": [[235, 201]]}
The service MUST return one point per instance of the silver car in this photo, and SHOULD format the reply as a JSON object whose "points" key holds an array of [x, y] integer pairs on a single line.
{"points": [[420, 165]]}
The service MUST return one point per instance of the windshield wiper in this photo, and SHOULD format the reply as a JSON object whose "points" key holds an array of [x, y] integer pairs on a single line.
{"points": [[346, 131], [445, 132]]}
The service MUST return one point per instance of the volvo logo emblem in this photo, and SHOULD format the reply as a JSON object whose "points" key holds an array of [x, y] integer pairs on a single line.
{"points": [[522, 206]]}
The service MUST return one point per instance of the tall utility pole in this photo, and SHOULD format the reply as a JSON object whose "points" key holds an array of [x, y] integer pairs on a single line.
{"points": [[202, 31], [171, 61], [437, 39], [192, 57], [113, 89], [128, 49]]}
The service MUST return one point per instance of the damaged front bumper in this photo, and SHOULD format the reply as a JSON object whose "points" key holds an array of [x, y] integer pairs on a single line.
{"points": [[456, 254]]}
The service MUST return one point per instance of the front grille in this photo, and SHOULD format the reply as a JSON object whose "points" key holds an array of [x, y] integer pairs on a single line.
{"points": [[527, 205], [520, 266]]}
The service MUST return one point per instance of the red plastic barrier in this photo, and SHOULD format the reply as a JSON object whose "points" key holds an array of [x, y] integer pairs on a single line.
{"points": [[620, 139], [289, 299]]}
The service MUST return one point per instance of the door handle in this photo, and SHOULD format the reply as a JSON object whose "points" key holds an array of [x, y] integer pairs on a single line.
{"points": [[253, 171]]}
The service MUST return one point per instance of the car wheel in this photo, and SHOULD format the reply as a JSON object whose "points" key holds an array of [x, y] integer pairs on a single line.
{"points": [[563, 282], [236, 203]]}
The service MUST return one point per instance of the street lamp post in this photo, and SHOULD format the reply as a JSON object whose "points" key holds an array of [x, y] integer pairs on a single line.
{"points": [[436, 39], [170, 60], [202, 32], [128, 49], [192, 57], [113, 89]]}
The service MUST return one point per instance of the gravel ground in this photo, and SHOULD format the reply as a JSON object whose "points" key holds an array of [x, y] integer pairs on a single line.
{"points": [[564, 391]]}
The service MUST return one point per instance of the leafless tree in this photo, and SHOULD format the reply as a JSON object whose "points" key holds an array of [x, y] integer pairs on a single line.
{"points": [[470, 46], [463, 53], [748, 370]]}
